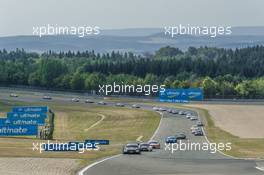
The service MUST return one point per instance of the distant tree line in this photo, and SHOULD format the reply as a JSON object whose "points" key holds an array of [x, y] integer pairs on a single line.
{"points": [[222, 73]]}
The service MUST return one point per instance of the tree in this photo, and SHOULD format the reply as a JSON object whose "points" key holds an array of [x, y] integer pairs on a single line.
{"points": [[151, 79], [77, 82], [34, 79], [93, 80], [232, 72], [209, 87], [168, 52], [226, 89], [176, 84], [49, 70], [168, 81]]}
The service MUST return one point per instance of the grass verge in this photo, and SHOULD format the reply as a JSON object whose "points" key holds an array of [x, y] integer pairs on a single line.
{"points": [[241, 147], [120, 125]]}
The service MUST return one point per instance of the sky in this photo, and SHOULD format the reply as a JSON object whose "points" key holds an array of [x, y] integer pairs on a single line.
{"points": [[18, 17]]}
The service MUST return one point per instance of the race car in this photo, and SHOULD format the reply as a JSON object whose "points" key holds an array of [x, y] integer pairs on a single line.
{"points": [[155, 144], [46, 97], [171, 139], [131, 148], [13, 95], [145, 147]]}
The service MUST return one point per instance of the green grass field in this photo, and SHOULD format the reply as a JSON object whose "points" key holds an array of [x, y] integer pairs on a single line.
{"points": [[73, 122], [241, 147]]}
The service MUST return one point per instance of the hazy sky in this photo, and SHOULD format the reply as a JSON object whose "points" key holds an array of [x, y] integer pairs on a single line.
{"points": [[19, 16]]}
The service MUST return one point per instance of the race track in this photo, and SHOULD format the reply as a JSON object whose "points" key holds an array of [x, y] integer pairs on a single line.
{"points": [[161, 162]]}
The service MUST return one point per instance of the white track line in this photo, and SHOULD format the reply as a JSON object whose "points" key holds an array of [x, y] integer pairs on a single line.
{"points": [[97, 123], [108, 158], [155, 133], [260, 168], [221, 151], [209, 141], [95, 163]]}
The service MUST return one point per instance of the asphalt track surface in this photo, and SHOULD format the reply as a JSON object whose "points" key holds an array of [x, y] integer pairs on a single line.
{"points": [[163, 162]]}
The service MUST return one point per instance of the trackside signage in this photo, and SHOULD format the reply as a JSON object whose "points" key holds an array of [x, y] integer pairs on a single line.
{"points": [[18, 130], [41, 109], [4, 121], [99, 142], [181, 95], [23, 121], [26, 115]]}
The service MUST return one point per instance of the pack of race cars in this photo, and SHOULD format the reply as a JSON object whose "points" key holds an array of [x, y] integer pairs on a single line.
{"points": [[196, 130], [137, 148]]}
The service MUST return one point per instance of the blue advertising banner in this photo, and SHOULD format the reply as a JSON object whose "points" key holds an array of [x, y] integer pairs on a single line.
{"points": [[26, 115], [99, 142], [194, 94], [4, 121], [18, 130], [181, 95], [22, 121], [42, 109]]}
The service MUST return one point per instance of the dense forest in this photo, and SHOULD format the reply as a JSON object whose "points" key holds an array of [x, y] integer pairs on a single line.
{"points": [[222, 73]]}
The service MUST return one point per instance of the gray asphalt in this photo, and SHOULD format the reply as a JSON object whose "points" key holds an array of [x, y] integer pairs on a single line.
{"points": [[161, 162]]}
